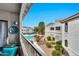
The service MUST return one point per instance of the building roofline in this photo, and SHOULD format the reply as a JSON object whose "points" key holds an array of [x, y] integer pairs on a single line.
{"points": [[49, 24], [27, 27], [70, 18]]}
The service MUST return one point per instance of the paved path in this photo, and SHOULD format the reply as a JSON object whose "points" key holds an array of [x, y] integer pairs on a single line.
{"points": [[48, 51]]}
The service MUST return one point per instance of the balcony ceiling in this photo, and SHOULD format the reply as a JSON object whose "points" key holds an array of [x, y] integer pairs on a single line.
{"points": [[12, 7]]}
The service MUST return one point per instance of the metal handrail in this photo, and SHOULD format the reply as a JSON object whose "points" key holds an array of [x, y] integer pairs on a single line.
{"points": [[38, 51]]}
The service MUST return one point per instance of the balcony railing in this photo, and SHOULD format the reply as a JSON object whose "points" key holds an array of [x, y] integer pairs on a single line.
{"points": [[29, 49]]}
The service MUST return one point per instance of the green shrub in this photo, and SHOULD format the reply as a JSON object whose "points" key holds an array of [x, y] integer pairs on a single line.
{"points": [[59, 43], [56, 53], [58, 47], [49, 38], [48, 44]]}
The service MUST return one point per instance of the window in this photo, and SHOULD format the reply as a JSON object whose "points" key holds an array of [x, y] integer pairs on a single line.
{"points": [[57, 28], [66, 43], [66, 27], [22, 29], [51, 28]]}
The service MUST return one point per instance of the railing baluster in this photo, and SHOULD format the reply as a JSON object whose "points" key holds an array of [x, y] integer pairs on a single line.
{"points": [[31, 49]]}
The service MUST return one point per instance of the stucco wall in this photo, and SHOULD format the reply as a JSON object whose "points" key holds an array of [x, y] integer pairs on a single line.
{"points": [[72, 36], [49, 32], [54, 33], [27, 30], [10, 17], [58, 33]]}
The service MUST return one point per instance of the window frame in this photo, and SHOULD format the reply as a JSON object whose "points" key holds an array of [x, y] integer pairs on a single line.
{"points": [[66, 43], [58, 28], [51, 28], [66, 27]]}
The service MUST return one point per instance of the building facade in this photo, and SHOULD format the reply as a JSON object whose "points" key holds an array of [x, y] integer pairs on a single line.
{"points": [[54, 30], [70, 35], [27, 30]]}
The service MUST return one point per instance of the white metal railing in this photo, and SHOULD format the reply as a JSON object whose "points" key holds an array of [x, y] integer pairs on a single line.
{"points": [[29, 49]]}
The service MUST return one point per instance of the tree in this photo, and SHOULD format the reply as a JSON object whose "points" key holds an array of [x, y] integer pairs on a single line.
{"points": [[41, 27]]}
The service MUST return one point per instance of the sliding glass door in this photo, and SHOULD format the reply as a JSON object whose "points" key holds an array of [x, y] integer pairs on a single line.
{"points": [[3, 32]]}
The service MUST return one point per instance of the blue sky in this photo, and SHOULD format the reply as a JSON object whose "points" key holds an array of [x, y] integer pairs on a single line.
{"points": [[49, 12]]}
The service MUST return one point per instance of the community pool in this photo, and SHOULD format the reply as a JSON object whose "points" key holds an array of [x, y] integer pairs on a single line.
{"points": [[28, 36]]}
